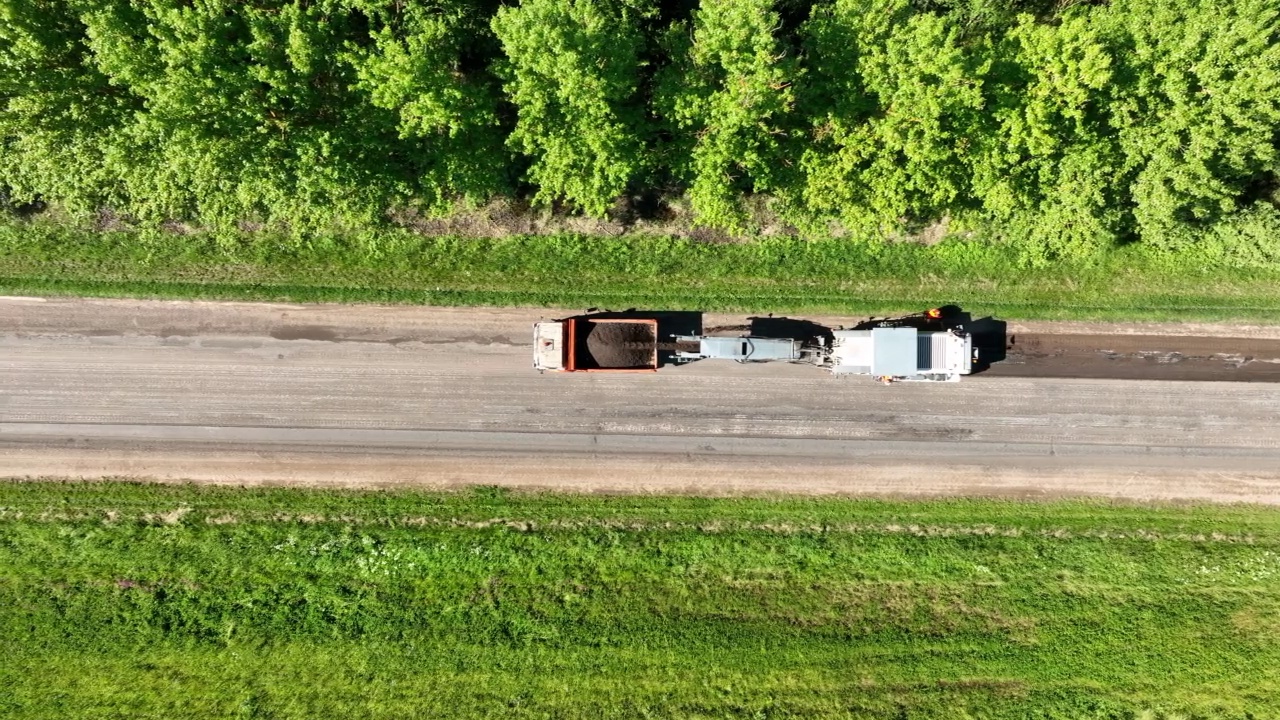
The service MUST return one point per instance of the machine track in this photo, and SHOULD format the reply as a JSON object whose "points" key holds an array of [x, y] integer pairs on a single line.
{"points": [[1138, 357]]}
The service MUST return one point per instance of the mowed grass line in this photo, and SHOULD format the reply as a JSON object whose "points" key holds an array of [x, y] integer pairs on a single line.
{"points": [[136, 600], [783, 275]]}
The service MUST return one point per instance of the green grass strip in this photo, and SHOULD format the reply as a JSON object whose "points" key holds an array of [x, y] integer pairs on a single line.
{"points": [[134, 600], [783, 275]]}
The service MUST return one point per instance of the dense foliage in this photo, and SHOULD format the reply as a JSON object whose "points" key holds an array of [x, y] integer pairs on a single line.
{"points": [[1064, 128], [169, 601]]}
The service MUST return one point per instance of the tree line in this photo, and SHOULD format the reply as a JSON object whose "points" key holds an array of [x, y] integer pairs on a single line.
{"points": [[1065, 126]]}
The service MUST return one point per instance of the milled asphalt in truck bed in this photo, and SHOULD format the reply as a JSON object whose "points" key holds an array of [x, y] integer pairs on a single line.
{"points": [[374, 396]]}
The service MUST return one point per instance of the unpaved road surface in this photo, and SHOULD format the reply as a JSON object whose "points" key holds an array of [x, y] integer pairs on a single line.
{"points": [[374, 396], [1140, 357]]}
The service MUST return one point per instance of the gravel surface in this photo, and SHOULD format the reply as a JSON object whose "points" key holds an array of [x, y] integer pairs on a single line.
{"points": [[363, 395]]}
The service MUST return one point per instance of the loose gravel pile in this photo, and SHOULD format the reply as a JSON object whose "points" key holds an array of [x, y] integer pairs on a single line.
{"points": [[621, 344]]}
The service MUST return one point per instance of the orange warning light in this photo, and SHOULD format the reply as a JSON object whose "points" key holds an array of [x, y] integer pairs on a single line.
{"points": [[934, 314]]}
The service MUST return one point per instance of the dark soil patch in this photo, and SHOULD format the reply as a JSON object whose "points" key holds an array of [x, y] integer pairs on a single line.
{"points": [[1141, 357], [620, 345]]}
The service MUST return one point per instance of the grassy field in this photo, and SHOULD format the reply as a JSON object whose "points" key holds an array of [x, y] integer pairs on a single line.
{"points": [[785, 275], [135, 601]]}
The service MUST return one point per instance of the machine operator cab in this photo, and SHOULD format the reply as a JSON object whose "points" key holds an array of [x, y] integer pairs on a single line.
{"points": [[902, 353]]}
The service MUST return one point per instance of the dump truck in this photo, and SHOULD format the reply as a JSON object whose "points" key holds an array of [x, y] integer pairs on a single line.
{"points": [[915, 348], [585, 344]]}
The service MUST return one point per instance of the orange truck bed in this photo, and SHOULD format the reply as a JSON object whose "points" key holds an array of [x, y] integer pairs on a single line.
{"points": [[586, 344]]}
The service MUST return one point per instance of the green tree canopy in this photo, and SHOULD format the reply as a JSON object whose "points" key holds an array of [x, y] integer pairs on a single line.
{"points": [[571, 68], [896, 143], [729, 94], [1050, 162], [448, 118], [1198, 115], [1064, 128], [59, 112]]}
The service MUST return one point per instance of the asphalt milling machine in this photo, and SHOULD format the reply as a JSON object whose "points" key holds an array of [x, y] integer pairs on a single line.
{"points": [[932, 346]]}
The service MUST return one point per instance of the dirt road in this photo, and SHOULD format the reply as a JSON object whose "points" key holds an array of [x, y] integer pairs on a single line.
{"points": [[386, 396]]}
